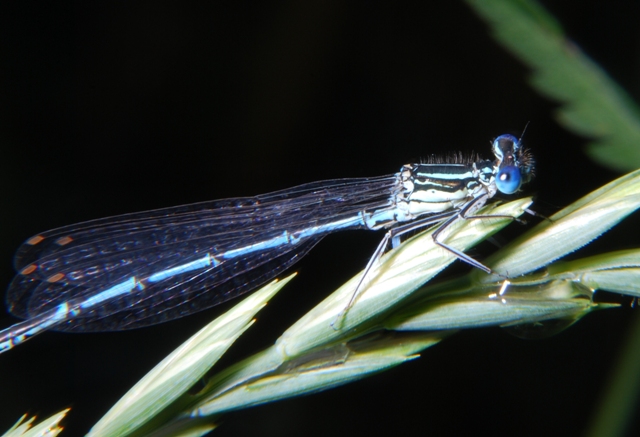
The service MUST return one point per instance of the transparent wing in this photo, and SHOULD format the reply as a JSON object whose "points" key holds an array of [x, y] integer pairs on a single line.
{"points": [[81, 260]]}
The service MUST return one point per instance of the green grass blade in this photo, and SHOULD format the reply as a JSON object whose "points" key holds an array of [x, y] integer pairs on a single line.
{"points": [[179, 371], [330, 368], [479, 306]]}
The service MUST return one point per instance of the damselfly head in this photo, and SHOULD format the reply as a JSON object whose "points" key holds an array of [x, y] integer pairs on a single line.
{"points": [[514, 163]]}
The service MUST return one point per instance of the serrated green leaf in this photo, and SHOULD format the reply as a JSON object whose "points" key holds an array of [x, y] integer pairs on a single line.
{"points": [[592, 104]]}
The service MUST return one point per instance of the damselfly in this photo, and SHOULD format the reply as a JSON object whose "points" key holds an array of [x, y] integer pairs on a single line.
{"points": [[145, 268]]}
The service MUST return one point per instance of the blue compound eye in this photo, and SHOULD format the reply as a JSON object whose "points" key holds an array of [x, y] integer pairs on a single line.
{"points": [[508, 180]]}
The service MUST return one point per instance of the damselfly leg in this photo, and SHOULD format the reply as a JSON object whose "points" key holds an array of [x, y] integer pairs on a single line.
{"points": [[446, 220]]}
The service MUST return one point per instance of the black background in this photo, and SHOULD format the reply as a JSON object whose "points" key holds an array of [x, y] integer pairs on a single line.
{"points": [[117, 107]]}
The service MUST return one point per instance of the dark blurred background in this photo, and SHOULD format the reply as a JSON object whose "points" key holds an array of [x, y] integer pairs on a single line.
{"points": [[114, 107]]}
